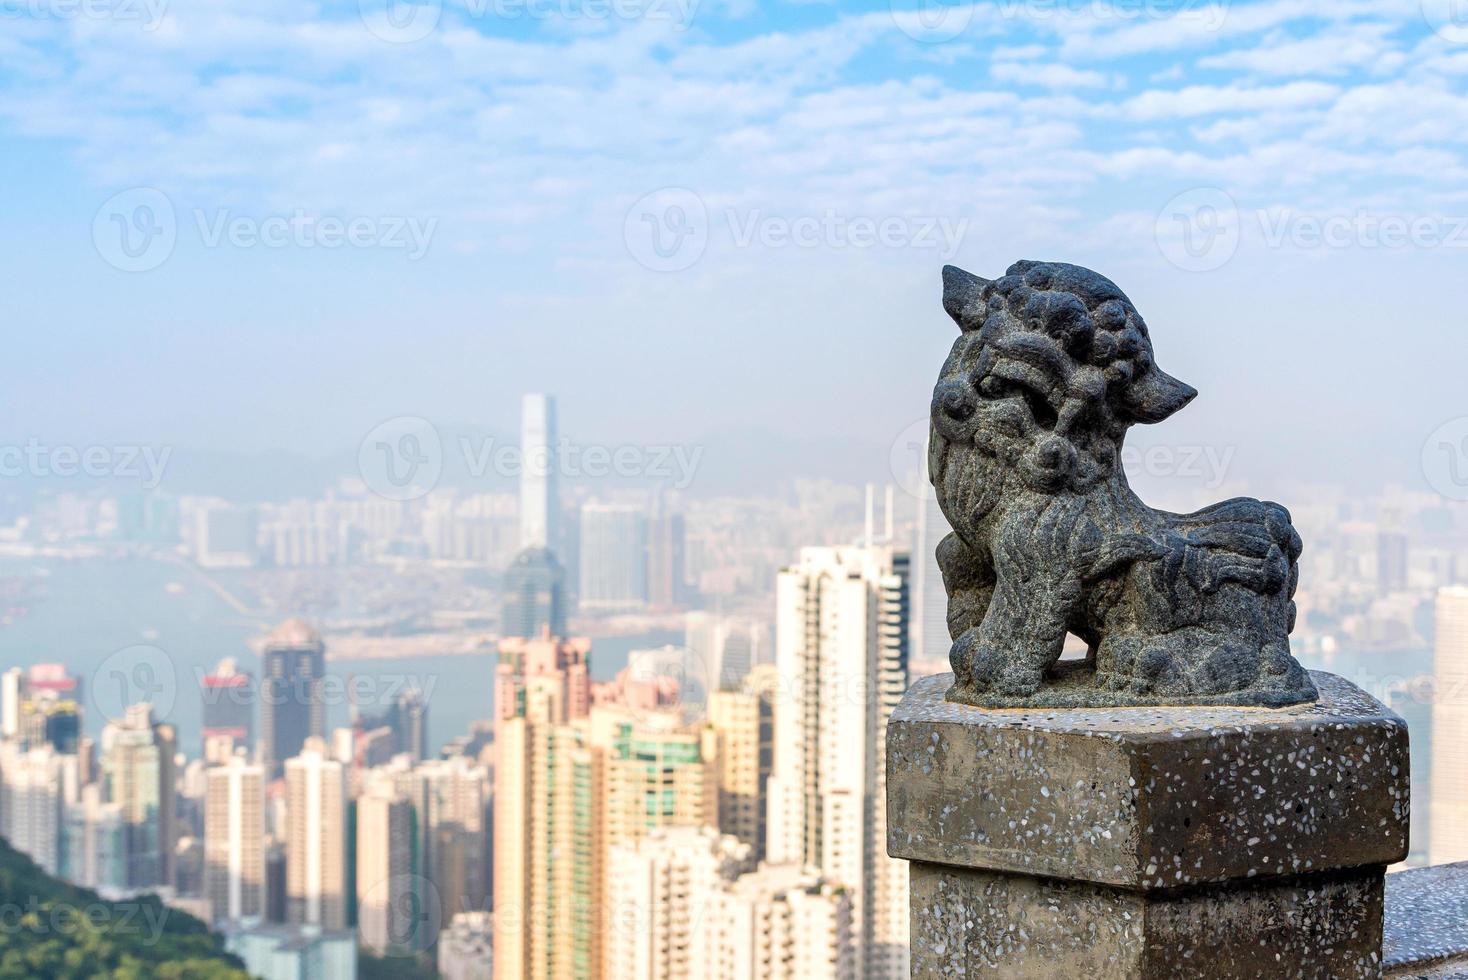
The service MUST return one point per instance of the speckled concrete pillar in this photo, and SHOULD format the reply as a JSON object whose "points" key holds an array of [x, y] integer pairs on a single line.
{"points": [[1147, 842]]}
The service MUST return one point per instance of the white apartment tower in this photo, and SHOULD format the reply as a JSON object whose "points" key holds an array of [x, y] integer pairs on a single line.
{"points": [[32, 794], [783, 922], [664, 895], [234, 839], [841, 651], [316, 832], [1447, 825], [539, 499]]}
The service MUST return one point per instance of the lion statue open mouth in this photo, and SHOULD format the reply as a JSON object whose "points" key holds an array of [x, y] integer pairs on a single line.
{"points": [[1052, 367]]}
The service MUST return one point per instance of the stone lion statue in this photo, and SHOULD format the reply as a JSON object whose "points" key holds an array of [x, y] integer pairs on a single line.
{"points": [[1052, 366]]}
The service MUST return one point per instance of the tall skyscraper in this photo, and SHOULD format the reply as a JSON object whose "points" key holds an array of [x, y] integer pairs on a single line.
{"points": [[388, 877], [842, 650], [1447, 824], [664, 894], [137, 762], [291, 709], [229, 705], [613, 557], [539, 483], [234, 839], [316, 832], [546, 876], [744, 724], [535, 595]]}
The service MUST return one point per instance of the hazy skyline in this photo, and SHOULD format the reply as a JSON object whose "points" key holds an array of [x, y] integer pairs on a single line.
{"points": [[502, 176]]}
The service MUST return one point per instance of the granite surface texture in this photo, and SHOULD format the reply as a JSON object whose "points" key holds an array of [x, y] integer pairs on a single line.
{"points": [[1149, 798], [1426, 930], [968, 923]]}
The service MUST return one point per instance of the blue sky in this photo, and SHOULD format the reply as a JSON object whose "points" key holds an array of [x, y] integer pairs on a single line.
{"points": [[1279, 185]]}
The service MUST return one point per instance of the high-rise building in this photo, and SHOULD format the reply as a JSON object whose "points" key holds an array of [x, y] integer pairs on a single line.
{"points": [[723, 648], [229, 705], [316, 832], [1447, 823], [539, 486], [535, 595], [137, 762], [657, 772], [545, 669], [547, 873], [665, 545], [94, 853], [664, 895], [784, 922], [291, 708], [234, 839], [225, 536], [32, 794], [613, 557], [841, 650], [744, 724], [387, 880], [1391, 561], [548, 842], [930, 640], [12, 692], [453, 799]]}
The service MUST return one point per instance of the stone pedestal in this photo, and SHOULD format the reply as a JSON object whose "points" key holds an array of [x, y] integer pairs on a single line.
{"points": [[1147, 842]]}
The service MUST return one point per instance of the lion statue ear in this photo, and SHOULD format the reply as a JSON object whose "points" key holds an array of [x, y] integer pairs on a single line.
{"points": [[1154, 396], [962, 297]]}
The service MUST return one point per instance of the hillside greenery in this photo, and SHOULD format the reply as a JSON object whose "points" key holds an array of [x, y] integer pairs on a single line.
{"points": [[50, 930]]}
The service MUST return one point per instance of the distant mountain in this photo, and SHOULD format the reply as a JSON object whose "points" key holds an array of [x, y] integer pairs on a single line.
{"points": [[50, 930]]}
